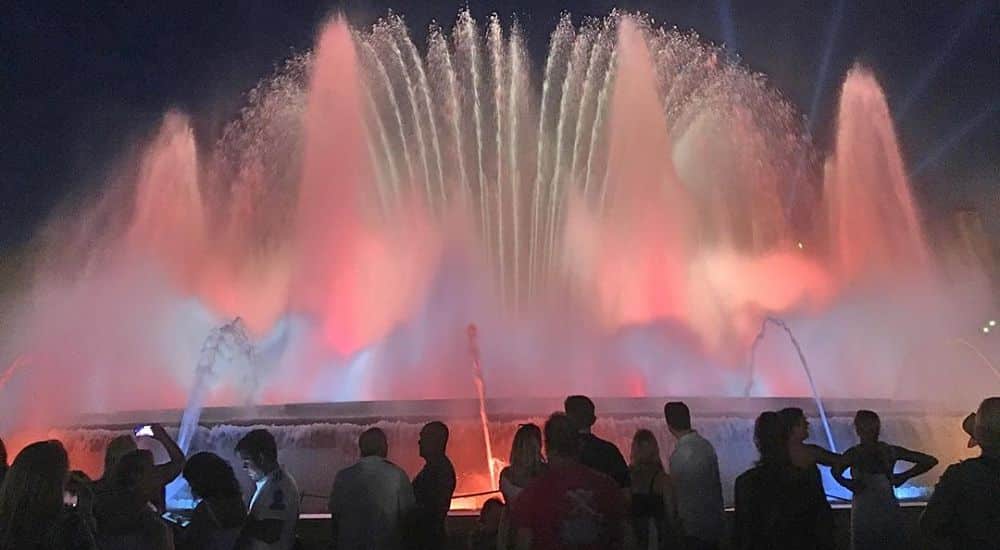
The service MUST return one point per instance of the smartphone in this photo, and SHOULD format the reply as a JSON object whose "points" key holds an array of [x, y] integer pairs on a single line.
{"points": [[176, 519], [146, 430]]}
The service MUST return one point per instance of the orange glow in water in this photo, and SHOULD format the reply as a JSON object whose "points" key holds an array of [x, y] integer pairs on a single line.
{"points": [[371, 201]]}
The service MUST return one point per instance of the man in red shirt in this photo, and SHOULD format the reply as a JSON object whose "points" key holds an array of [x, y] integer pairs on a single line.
{"points": [[570, 506]]}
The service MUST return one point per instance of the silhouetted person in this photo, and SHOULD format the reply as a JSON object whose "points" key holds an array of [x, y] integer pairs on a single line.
{"points": [[32, 513], [694, 470], [594, 452], [653, 510], [969, 427], [526, 464], [485, 534], [526, 461], [876, 520], [803, 471], [79, 494], [775, 510], [126, 517], [372, 500], [757, 490], [274, 507], [220, 514], [433, 488], [3, 460], [570, 506], [161, 475], [965, 506]]}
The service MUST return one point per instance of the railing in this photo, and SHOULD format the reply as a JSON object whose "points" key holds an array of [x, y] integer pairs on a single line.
{"points": [[303, 496]]}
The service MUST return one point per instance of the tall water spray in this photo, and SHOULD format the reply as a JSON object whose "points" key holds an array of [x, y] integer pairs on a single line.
{"points": [[616, 216], [873, 219]]}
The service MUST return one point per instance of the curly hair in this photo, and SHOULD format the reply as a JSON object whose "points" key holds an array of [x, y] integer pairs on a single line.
{"points": [[211, 477]]}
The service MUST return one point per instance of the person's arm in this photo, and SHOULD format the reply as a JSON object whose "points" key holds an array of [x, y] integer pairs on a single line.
{"points": [[922, 463], [165, 473], [837, 471], [826, 458], [272, 510], [504, 484], [938, 518]]}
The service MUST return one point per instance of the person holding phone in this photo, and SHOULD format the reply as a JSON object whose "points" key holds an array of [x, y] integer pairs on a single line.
{"points": [[162, 474], [32, 510], [274, 508], [125, 518]]}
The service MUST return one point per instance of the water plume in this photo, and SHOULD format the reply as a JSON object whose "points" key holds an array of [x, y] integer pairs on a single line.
{"points": [[619, 222]]}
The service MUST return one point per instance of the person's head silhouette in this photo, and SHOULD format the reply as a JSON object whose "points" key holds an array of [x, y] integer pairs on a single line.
{"points": [[987, 429], [580, 411]]}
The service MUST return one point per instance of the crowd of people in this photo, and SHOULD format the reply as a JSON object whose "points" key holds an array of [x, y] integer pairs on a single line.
{"points": [[564, 488], [45, 506]]}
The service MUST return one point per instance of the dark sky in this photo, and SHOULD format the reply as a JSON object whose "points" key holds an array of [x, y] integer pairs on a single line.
{"points": [[81, 82]]}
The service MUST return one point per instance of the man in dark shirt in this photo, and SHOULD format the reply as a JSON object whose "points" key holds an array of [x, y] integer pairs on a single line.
{"points": [[965, 506], [433, 488], [595, 452]]}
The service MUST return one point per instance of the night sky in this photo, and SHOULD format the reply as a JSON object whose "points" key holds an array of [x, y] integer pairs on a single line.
{"points": [[83, 82]]}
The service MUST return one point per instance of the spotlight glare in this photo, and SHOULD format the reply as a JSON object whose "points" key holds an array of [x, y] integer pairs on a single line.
{"points": [[986, 330], [800, 245], [993, 323]]}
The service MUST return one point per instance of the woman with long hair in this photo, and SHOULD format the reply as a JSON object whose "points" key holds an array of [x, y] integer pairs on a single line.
{"points": [[526, 462], [804, 459], [876, 520], [216, 522], [758, 519], [32, 511], [653, 510], [126, 516]]}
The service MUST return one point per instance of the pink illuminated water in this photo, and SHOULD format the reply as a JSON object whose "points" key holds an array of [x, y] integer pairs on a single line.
{"points": [[874, 223], [370, 203]]}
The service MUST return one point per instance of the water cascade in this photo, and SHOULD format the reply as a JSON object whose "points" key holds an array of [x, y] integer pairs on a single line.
{"points": [[622, 218]]}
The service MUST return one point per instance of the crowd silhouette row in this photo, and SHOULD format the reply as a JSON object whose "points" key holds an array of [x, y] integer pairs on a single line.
{"points": [[580, 493]]}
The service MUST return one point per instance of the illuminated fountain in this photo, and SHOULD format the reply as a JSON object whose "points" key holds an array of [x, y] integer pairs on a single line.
{"points": [[616, 219]]}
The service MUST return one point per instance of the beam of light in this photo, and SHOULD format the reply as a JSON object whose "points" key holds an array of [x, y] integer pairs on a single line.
{"points": [[728, 24], [969, 16], [824, 62], [952, 139], [982, 357], [15, 366]]}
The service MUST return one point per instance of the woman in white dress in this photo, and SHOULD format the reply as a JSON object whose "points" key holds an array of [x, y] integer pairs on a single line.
{"points": [[876, 520]]}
